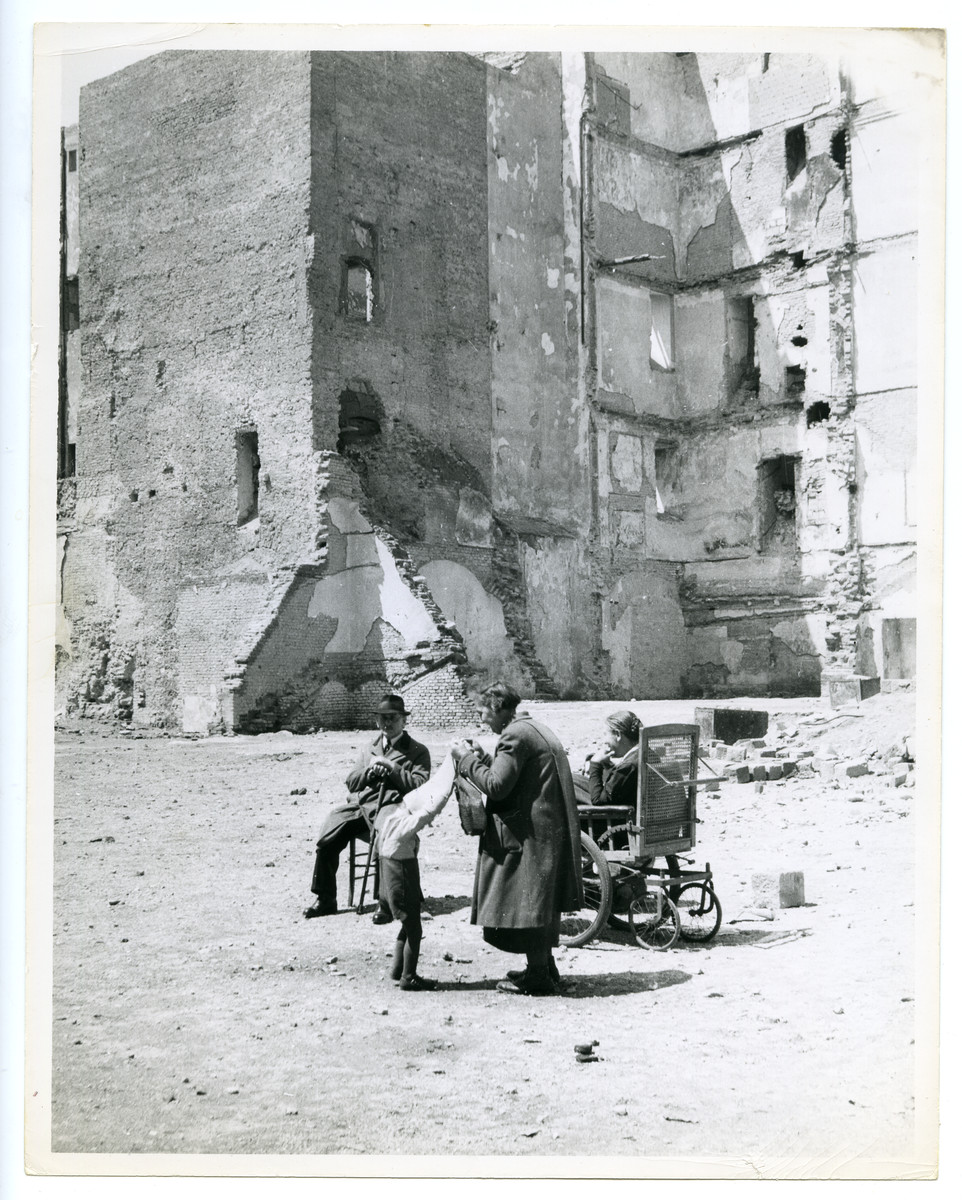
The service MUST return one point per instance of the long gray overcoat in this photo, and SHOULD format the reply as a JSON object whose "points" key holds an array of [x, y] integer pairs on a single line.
{"points": [[529, 856]]}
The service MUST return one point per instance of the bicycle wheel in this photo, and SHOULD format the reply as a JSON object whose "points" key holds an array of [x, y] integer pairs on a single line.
{"points": [[700, 912], [654, 921], [581, 926]]}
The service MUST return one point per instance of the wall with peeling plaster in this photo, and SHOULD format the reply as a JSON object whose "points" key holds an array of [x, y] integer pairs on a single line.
{"points": [[529, 495], [700, 185], [534, 381]]}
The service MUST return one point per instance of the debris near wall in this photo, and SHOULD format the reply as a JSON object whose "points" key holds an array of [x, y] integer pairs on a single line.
{"points": [[102, 682], [296, 670], [875, 738], [844, 601]]}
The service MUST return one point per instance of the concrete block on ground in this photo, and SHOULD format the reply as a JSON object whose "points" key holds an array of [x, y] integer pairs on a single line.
{"points": [[824, 767], [778, 889], [806, 770], [852, 769], [789, 768], [804, 753], [743, 774], [769, 754], [852, 689], [731, 725], [775, 770], [759, 772]]}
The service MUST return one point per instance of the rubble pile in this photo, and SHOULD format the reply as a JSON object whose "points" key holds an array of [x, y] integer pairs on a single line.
{"points": [[874, 738]]}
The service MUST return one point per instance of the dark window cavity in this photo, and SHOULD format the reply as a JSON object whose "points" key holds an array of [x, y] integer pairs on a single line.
{"points": [[794, 380], [248, 474], [71, 160], [742, 351], [795, 150], [840, 148], [71, 304], [776, 505], [818, 412], [359, 416]]}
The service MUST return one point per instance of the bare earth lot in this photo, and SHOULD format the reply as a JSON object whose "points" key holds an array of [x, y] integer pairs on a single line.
{"points": [[195, 1011]]}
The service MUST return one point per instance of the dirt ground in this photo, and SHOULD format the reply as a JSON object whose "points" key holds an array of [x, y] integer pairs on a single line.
{"points": [[195, 1011]]}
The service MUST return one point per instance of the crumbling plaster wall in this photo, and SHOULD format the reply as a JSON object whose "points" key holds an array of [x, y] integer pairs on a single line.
{"points": [[366, 623], [623, 314], [195, 323], [538, 418], [738, 228], [540, 453]]}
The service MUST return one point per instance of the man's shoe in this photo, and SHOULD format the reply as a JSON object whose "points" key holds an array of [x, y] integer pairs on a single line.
{"points": [[526, 987], [416, 984], [320, 910], [382, 918], [519, 976]]}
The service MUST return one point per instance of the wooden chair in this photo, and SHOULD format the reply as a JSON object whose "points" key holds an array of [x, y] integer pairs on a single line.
{"points": [[363, 859]]}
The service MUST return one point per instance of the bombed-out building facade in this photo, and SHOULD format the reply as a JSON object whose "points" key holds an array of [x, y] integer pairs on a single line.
{"points": [[595, 372]]}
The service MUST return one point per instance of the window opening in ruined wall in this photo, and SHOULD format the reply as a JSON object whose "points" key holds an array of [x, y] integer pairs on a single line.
{"points": [[71, 160], [742, 350], [839, 148], [667, 469], [796, 151], [358, 272], [359, 417], [661, 353], [358, 292], [71, 304], [248, 475], [777, 505]]}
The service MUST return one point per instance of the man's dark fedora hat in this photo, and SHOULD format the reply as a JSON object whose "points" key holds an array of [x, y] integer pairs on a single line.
{"points": [[392, 704]]}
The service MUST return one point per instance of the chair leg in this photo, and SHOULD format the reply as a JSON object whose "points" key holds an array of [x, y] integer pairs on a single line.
{"points": [[371, 860], [351, 871]]}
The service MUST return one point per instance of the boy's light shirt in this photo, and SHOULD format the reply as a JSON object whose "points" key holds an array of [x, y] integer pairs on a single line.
{"points": [[398, 825]]}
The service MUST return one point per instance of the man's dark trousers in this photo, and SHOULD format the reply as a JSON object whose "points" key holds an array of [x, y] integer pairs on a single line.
{"points": [[411, 766], [340, 826]]}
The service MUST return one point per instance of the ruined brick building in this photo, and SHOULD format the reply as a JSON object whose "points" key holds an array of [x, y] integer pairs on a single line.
{"points": [[591, 371]]}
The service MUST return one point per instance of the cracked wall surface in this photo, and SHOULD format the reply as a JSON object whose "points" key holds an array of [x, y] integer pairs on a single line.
{"points": [[407, 370]]}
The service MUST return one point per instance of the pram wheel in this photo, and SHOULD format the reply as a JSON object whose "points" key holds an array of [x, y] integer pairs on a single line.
{"points": [[700, 911], [580, 927], [654, 920]]}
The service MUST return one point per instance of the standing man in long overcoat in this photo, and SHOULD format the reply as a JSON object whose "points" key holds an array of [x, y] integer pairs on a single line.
{"points": [[529, 856]]}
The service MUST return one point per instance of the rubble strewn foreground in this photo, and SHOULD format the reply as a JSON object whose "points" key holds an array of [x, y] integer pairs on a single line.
{"points": [[194, 1011]]}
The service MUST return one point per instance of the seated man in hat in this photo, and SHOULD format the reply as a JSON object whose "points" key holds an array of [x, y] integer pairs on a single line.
{"points": [[394, 761]]}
